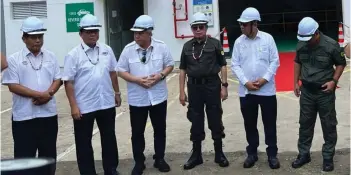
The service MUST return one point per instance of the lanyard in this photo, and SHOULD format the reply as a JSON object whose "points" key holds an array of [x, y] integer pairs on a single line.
{"points": [[41, 63], [89, 57], [143, 59], [201, 50]]}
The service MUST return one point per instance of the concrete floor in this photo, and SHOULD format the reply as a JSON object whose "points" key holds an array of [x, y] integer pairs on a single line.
{"points": [[179, 146]]}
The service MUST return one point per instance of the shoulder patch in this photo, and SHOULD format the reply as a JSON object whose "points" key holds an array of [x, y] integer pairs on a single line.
{"points": [[222, 52]]}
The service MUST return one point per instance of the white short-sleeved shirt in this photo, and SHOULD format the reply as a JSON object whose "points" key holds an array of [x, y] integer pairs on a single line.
{"points": [[253, 59], [92, 83], [158, 57], [20, 71]]}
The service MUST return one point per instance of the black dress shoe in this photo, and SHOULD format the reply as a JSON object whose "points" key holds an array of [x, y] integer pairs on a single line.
{"points": [[162, 165], [273, 162], [301, 160], [112, 172], [250, 161], [328, 165], [138, 169]]}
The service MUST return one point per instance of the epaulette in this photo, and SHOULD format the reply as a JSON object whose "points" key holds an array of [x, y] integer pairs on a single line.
{"points": [[159, 41], [130, 44]]}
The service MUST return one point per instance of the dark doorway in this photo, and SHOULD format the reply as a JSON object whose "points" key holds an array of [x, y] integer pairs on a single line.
{"points": [[120, 17], [281, 18]]}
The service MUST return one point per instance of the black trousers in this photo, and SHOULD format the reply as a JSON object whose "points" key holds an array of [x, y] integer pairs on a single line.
{"points": [[83, 130], [39, 134], [205, 92], [138, 118], [249, 108]]}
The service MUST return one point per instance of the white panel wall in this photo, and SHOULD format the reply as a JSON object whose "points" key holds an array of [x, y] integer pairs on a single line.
{"points": [[346, 19], [164, 27], [60, 42], [56, 39]]}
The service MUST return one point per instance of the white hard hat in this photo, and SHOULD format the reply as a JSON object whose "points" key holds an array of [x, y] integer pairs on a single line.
{"points": [[32, 26], [249, 14], [307, 27], [89, 22], [199, 18], [142, 23]]}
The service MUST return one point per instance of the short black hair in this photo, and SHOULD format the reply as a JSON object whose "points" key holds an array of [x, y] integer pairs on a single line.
{"points": [[25, 35]]}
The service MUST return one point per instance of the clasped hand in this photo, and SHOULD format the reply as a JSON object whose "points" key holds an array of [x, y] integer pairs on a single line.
{"points": [[43, 98], [329, 86], [255, 85], [148, 82]]}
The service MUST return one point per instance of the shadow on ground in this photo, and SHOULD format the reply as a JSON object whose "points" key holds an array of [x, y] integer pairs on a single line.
{"points": [[341, 160]]}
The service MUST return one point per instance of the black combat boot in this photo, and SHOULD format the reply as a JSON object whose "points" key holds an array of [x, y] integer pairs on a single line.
{"points": [[328, 165], [301, 160], [138, 169], [195, 158], [219, 155]]}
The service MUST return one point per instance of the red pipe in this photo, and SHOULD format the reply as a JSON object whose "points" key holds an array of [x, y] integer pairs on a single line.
{"points": [[184, 19]]}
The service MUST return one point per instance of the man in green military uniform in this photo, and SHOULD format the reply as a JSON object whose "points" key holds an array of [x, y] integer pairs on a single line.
{"points": [[201, 61], [316, 56]]}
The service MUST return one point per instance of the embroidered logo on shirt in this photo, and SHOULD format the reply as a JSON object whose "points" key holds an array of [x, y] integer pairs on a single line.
{"points": [[24, 62], [342, 54], [104, 53]]}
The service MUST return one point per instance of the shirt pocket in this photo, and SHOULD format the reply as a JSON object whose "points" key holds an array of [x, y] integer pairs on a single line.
{"points": [[157, 62], [209, 52], [304, 58], [322, 62], [263, 53], [49, 69], [135, 66], [105, 60]]}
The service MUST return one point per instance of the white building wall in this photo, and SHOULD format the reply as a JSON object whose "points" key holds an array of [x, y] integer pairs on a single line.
{"points": [[60, 42], [346, 20], [56, 39], [162, 13]]}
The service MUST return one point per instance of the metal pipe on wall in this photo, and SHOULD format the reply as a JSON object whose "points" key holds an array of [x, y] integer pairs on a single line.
{"points": [[175, 20]]}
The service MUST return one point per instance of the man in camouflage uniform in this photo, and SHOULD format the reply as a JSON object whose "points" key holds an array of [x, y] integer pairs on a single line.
{"points": [[316, 56]]}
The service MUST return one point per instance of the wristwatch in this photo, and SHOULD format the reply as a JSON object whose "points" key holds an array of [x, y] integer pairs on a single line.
{"points": [[162, 76], [225, 84], [335, 81]]}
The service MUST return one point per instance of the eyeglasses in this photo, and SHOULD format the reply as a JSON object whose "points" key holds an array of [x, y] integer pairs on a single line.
{"points": [[143, 59], [243, 24], [91, 31], [201, 27]]}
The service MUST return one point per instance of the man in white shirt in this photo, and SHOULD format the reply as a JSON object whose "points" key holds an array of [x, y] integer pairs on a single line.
{"points": [[144, 64], [33, 77], [255, 61], [93, 92]]}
